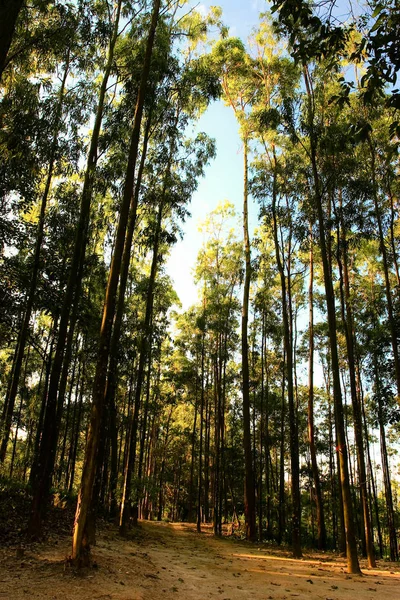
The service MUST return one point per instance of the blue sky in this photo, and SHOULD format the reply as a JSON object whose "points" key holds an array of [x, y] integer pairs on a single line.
{"points": [[224, 176]]}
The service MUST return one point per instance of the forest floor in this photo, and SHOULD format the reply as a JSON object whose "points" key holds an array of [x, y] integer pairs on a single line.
{"points": [[170, 561]]}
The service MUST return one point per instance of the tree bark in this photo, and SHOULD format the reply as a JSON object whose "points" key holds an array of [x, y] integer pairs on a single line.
{"points": [[294, 436], [145, 343], [23, 333], [200, 474], [351, 544], [385, 264], [249, 493], [80, 546], [348, 323], [9, 11], [311, 431]]}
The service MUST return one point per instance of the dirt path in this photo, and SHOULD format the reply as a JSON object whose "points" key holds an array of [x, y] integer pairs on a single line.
{"points": [[171, 561]]}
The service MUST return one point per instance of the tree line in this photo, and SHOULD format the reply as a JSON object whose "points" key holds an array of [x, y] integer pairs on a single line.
{"points": [[144, 411]]}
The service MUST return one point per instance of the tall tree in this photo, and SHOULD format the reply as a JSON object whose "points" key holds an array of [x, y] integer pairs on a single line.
{"points": [[80, 547]]}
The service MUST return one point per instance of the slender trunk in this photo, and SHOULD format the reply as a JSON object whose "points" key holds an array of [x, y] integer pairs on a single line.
{"points": [[193, 453], [43, 395], [311, 430], [9, 11], [249, 495], [145, 343], [351, 544], [200, 475], [80, 546], [72, 429], [207, 452], [23, 333], [392, 319], [144, 430], [386, 472], [163, 462], [348, 324], [294, 441], [76, 432], [332, 479], [371, 476], [261, 438], [21, 403], [281, 506], [393, 236], [61, 466], [112, 374]]}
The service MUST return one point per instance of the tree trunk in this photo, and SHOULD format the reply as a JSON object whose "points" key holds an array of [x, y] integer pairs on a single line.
{"points": [[9, 11], [382, 246], [80, 546], [351, 544], [23, 333], [193, 453], [200, 474], [348, 324], [311, 432], [371, 476], [249, 494], [61, 466], [145, 343], [386, 473], [261, 439], [71, 298], [294, 441], [281, 505]]}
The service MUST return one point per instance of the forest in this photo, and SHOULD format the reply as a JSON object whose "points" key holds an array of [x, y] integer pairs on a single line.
{"points": [[270, 408]]}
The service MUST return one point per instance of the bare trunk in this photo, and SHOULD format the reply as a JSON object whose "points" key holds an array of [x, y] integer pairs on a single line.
{"points": [[311, 431], [294, 441], [145, 343], [80, 547], [23, 333], [200, 476], [347, 315], [249, 495], [392, 320], [9, 11], [351, 544]]}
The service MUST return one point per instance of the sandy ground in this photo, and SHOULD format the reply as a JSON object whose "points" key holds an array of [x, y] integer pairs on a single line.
{"points": [[172, 561]]}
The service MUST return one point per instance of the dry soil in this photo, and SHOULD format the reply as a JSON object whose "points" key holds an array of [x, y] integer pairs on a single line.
{"points": [[171, 561]]}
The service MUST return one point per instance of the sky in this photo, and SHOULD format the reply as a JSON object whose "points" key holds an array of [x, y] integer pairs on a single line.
{"points": [[224, 176]]}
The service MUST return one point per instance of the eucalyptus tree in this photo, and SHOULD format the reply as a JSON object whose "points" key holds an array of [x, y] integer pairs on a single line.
{"points": [[71, 298], [23, 332], [277, 78], [238, 92], [51, 144], [319, 195], [80, 548], [218, 271], [181, 162], [272, 448]]}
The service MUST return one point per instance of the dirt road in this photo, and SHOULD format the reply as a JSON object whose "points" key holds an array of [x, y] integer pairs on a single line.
{"points": [[171, 561]]}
